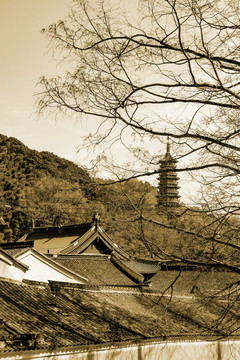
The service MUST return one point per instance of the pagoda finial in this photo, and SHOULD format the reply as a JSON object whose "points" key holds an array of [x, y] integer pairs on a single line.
{"points": [[168, 155]]}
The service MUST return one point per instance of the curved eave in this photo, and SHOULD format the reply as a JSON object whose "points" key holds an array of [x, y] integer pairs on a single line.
{"points": [[10, 260], [133, 274], [87, 239]]}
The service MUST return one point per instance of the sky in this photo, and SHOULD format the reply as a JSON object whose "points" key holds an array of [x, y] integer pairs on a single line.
{"points": [[24, 59]]}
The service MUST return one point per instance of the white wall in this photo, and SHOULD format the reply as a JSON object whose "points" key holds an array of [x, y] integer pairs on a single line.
{"points": [[40, 271], [9, 270], [192, 350]]}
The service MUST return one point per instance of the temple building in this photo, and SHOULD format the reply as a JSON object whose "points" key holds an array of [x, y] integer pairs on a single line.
{"points": [[70, 292], [81, 253], [168, 196]]}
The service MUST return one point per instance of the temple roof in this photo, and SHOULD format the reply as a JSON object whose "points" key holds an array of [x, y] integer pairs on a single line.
{"points": [[206, 281], [143, 266], [53, 239], [71, 245], [8, 258], [35, 316], [70, 239], [94, 234], [98, 269], [48, 263]]}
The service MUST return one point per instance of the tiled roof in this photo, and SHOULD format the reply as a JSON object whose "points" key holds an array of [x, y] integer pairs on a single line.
{"points": [[121, 264], [99, 270], [189, 281], [72, 316], [108, 245], [69, 239], [17, 251], [7, 255], [53, 239], [17, 247], [143, 266], [79, 229]]}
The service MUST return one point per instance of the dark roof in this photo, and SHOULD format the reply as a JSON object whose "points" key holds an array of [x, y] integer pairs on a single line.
{"points": [[17, 251], [16, 246], [69, 239], [16, 262], [53, 239], [78, 229], [72, 316], [81, 244], [98, 269], [143, 266], [191, 281]]}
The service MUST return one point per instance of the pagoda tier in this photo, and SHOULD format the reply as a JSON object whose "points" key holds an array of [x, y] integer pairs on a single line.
{"points": [[168, 196]]}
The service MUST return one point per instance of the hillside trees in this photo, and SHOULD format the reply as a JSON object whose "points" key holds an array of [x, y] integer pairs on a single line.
{"points": [[40, 186], [169, 70]]}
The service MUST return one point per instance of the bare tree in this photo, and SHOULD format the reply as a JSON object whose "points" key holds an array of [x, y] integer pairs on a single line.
{"points": [[173, 71]]}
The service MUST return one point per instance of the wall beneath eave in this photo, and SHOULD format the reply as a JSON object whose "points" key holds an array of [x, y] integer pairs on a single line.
{"points": [[10, 271], [40, 271]]}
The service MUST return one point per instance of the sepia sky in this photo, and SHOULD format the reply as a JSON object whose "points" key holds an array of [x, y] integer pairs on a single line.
{"points": [[24, 58]]}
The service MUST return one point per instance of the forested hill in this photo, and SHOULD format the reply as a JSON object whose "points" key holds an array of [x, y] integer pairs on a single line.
{"points": [[44, 188], [23, 165], [29, 182]]}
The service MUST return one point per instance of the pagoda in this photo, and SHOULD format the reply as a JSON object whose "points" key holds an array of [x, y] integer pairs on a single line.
{"points": [[168, 196]]}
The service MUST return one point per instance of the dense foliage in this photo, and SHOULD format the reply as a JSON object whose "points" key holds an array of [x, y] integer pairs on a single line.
{"points": [[39, 188]]}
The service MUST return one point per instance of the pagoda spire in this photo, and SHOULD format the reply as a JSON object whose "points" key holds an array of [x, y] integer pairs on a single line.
{"points": [[168, 196], [168, 155]]}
